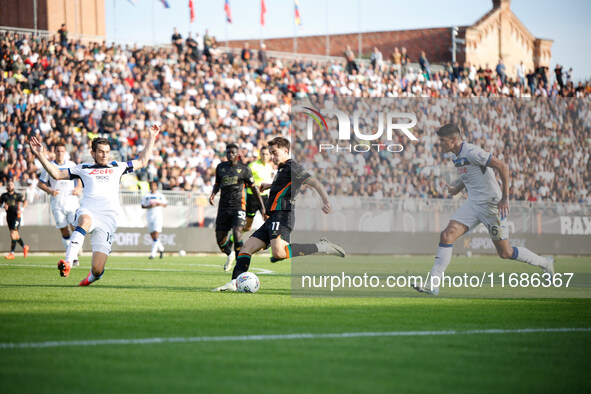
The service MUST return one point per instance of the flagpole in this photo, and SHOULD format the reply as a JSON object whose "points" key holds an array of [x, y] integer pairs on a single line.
{"points": [[153, 24], [115, 20], [359, 29], [295, 33], [326, 23]]}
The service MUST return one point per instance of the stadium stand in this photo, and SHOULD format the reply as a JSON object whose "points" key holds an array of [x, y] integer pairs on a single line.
{"points": [[83, 89]]}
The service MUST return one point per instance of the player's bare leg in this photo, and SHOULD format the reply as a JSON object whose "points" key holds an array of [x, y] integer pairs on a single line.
{"points": [[156, 245], [251, 246], [448, 236], [248, 224], [76, 241], [99, 260], [519, 253], [225, 244]]}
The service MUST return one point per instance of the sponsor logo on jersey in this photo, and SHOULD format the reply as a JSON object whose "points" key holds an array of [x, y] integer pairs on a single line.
{"points": [[98, 171]]}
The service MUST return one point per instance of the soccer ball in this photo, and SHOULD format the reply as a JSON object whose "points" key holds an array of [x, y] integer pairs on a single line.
{"points": [[247, 282], [468, 254], [182, 253]]}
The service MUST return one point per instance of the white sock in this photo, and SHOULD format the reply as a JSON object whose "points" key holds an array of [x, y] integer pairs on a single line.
{"points": [[442, 259], [92, 278], [66, 242], [160, 246], [154, 247], [527, 256], [76, 241]]}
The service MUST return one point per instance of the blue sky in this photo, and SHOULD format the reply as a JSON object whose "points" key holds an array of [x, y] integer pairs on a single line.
{"points": [[566, 22]]}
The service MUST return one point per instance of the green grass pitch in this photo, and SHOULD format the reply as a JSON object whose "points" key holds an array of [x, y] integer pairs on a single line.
{"points": [[144, 299]]}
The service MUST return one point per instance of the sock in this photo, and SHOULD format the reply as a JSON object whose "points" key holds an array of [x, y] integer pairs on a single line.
{"points": [[527, 256], [242, 264], [20, 242], [66, 241], [238, 246], [154, 247], [12, 245], [226, 247], [160, 246], [442, 259], [93, 278], [295, 250], [76, 241]]}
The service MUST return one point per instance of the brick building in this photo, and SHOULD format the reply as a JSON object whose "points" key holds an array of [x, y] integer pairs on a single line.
{"points": [[80, 16], [497, 34]]}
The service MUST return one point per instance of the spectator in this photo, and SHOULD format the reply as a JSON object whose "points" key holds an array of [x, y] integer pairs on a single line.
{"points": [[350, 57], [63, 34], [501, 71], [177, 41], [397, 61], [520, 73], [425, 66], [377, 59]]}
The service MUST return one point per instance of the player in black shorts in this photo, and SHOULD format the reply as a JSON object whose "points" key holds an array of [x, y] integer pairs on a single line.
{"points": [[231, 177], [277, 229], [13, 203]]}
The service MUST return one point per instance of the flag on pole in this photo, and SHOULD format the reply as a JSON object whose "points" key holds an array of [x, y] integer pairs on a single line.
{"points": [[165, 4], [298, 21], [228, 11], [133, 2], [263, 12], [191, 11]]}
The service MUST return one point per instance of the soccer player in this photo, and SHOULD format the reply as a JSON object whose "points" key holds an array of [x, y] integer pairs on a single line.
{"points": [[14, 203], [486, 204], [100, 204], [276, 230], [154, 202], [231, 177], [262, 171], [63, 201]]}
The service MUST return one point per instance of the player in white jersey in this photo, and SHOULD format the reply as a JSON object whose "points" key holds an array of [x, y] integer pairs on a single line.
{"points": [[486, 204], [64, 202], [154, 202], [99, 207]]}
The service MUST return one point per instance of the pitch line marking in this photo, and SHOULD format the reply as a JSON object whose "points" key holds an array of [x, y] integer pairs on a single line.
{"points": [[262, 271], [249, 338]]}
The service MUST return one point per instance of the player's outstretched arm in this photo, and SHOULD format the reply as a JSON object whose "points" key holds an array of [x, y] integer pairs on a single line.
{"points": [[45, 187], [144, 158], [39, 152], [503, 169], [315, 183]]}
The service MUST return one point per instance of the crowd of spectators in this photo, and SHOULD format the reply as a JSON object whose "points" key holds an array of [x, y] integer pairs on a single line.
{"points": [[63, 89]]}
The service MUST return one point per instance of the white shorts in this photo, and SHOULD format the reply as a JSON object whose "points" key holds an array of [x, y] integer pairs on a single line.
{"points": [[154, 225], [64, 215], [471, 215], [103, 229]]}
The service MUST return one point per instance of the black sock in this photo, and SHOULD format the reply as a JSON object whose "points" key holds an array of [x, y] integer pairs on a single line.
{"points": [[227, 247], [242, 264], [238, 246], [12, 245], [20, 242], [296, 250]]}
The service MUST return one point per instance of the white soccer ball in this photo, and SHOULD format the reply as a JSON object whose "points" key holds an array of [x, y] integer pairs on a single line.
{"points": [[247, 282], [182, 253], [468, 254]]}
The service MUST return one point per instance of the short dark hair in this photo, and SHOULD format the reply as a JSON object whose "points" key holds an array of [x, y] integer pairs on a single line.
{"points": [[231, 145], [279, 142], [99, 141], [60, 143], [449, 130], [264, 148]]}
